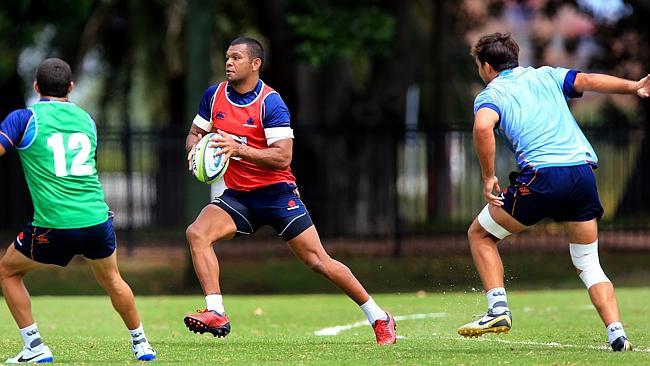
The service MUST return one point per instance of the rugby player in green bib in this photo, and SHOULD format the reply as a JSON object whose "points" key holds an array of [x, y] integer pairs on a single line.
{"points": [[56, 141]]}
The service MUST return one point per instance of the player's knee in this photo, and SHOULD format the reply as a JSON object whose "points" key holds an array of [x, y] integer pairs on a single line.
{"points": [[111, 282], [195, 235], [475, 231], [6, 272], [316, 264], [585, 259], [485, 226]]}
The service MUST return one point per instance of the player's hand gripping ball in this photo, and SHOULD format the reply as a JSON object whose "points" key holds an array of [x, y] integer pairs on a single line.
{"points": [[207, 166]]}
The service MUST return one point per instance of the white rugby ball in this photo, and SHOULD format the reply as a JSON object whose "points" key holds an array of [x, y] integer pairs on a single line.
{"points": [[208, 167]]}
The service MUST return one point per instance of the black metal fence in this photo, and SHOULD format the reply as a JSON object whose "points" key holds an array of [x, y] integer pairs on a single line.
{"points": [[374, 183]]}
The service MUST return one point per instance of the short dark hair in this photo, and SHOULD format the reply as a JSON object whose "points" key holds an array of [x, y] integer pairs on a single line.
{"points": [[53, 77], [497, 49], [255, 49]]}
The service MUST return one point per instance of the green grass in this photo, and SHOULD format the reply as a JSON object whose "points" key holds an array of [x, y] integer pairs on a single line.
{"points": [[280, 330]]}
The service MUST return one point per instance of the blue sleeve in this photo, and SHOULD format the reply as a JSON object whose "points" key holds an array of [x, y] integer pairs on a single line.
{"points": [[568, 85], [13, 128], [276, 113], [485, 100], [566, 78], [206, 102]]}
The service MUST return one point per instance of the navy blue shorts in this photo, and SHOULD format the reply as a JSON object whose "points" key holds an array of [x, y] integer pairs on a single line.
{"points": [[59, 246], [278, 205], [566, 193]]}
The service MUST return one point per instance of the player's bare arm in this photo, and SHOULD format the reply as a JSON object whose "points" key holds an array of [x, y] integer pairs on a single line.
{"points": [[2, 150], [484, 142], [192, 139], [611, 84], [277, 156]]}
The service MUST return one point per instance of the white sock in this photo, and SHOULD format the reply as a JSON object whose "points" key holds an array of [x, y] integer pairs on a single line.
{"points": [[137, 335], [373, 311], [31, 337], [215, 302], [497, 301], [614, 331]]}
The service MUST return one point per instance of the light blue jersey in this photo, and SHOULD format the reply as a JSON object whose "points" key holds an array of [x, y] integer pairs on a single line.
{"points": [[535, 120]]}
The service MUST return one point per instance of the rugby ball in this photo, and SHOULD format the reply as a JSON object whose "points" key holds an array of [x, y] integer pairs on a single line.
{"points": [[208, 167]]}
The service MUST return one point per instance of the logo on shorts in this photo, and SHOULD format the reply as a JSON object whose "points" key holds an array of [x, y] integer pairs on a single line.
{"points": [[219, 115], [292, 205], [524, 191], [41, 239]]}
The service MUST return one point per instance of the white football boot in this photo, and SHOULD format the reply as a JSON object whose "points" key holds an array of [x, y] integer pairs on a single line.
{"points": [[488, 323], [143, 351], [41, 354]]}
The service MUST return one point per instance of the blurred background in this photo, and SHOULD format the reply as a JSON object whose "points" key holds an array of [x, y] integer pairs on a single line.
{"points": [[381, 96]]}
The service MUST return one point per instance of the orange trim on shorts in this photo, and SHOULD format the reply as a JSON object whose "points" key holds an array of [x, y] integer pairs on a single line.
{"points": [[31, 246]]}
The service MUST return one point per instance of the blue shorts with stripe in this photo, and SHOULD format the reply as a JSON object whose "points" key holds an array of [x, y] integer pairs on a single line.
{"points": [[278, 205], [59, 246], [566, 193]]}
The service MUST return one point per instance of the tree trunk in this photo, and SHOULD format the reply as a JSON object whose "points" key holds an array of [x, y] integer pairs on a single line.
{"points": [[199, 23], [636, 197], [437, 155]]}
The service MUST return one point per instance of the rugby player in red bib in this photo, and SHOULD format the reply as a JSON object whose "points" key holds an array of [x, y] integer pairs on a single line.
{"points": [[255, 133]]}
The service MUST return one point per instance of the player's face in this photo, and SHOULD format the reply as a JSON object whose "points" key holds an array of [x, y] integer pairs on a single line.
{"points": [[239, 64]]}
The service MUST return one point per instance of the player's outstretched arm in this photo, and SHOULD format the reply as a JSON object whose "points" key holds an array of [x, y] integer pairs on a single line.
{"points": [[611, 84]]}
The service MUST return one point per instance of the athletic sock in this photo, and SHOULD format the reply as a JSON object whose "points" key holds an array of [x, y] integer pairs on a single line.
{"points": [[614, 331], [137, 335], [31, 337], [497, 301], [215, 302], [373, 311]]}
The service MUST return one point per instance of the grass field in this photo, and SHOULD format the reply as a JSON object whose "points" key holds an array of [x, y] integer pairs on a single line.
{"points": [[550, 328]]}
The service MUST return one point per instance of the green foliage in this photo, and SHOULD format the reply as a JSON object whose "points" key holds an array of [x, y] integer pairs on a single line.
{"points": [[327, 31], [550, 328]]}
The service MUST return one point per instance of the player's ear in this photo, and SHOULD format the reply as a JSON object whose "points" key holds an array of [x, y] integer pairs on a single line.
{"points": [[36, 89], [71, 87], [488, 68], [257, 64]]}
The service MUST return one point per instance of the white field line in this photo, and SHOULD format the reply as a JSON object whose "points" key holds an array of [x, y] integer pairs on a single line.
{"points": [[332, 331], [532, 343], [335, 330]]}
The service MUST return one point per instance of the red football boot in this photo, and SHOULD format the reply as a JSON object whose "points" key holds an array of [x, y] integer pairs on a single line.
{"points": [[208, 321], [385, 331]]}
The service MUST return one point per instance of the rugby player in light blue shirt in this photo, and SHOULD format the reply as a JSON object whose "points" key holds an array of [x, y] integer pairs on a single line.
{"points": [[527, 108]]}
